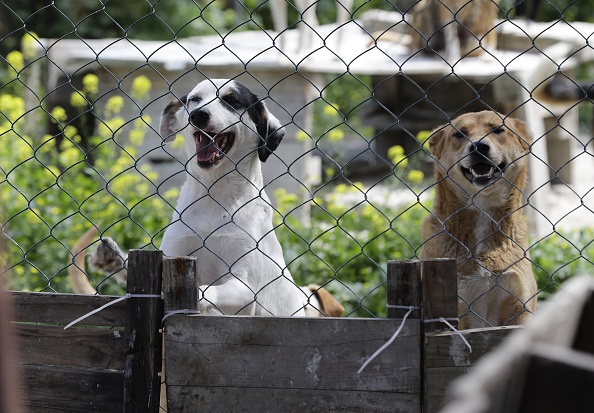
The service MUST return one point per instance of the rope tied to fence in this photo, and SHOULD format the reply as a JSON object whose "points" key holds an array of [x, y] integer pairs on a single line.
{"points": [[391, 340], [174, 312], [454, 329], [122, 298], [397, 332]]}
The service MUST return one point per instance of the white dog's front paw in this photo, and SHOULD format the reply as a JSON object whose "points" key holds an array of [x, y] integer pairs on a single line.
{"points": [[109, 258]]}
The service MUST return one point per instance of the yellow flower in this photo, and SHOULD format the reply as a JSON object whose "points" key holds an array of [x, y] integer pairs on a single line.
{"points": [[301, 136], [398, 157], [91, 84], [70, 156], [415, 176], [114, 105], [423, 137], [336, 135], [16, 60], [59, 114], [78, 100], [178, 142], [12, 107], [29, 44], [331, 109], [141, 87]]}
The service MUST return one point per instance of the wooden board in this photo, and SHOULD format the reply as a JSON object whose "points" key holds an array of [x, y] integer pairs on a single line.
{"points": [[229, 399], [213, 360], [53, 308], [75, 347], [50, 389], [447, 358]]}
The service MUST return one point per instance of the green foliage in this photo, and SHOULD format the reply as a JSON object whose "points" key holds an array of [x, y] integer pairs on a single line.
{"points": [[52, 189], [559, 256], [346, 245]]}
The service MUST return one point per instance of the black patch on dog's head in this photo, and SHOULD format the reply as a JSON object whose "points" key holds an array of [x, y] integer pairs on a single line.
{"points": [[267, 127], [240, 98]]}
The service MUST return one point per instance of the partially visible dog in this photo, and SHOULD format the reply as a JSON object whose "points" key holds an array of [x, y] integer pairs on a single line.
{"points": [[317, 301], [481, 169], [457, 28], [223, 215]]}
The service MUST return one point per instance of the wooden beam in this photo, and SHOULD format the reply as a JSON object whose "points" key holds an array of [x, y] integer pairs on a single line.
{"points": [[440, 293], [446, 358], [226, 363], [53, 308], [66, 389], [180, 285], [404, 288], [142, 335]]}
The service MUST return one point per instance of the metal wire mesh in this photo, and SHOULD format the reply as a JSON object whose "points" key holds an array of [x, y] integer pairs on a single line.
{"points": [[357, 87]]}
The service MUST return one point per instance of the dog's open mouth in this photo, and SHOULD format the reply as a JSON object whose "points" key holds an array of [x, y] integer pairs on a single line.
{"points": [[482, 173], [211, 147]]}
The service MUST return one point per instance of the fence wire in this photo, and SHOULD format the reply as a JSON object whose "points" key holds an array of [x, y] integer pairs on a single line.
{"points": [[358, 86]]}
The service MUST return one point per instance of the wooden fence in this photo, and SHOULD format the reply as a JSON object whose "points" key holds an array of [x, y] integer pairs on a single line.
{"points": [[107, 363], [274, 364], [238, 363]]}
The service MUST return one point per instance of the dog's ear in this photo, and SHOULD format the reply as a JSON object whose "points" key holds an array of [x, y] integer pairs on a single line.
{"points": [[436, 138], [268, 127], [522, 131], [169, 126]]}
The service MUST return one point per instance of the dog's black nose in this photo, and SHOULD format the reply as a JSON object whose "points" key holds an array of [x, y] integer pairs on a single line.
{"points": [[480, 147], [199, 118]]}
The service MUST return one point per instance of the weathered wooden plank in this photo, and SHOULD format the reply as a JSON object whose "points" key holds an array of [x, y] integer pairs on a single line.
{"points": [[142, 383], [447, 357], [76, 347], [404, 288], [440, 293], [230, 399], [180, 287], [60, 389], [291, 353], [50, 308]]}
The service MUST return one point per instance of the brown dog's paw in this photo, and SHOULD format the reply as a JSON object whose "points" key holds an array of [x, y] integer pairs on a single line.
{"points": [[108, 257]]}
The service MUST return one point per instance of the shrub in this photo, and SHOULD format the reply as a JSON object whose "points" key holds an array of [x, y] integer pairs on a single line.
{"points": [[54, 187], [346, 246]]}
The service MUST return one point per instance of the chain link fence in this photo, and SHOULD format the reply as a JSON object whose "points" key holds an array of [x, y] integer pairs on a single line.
{"points": [[357, 86]]}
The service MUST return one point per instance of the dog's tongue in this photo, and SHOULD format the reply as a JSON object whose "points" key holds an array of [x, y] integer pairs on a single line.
{"points": [[205, 149]]}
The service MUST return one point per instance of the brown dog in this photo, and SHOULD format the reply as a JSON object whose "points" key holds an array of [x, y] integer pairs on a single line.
{"points": [[457, 27], [481, 168]]}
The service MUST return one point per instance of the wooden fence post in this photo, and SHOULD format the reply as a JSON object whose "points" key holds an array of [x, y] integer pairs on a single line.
{"points": [[142, 336], [440, 292], [180, 286], [404, 288], [180, 292], [440, 300]]}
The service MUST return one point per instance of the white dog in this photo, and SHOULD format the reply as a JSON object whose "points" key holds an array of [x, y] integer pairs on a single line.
{"points": [[223, 216]]}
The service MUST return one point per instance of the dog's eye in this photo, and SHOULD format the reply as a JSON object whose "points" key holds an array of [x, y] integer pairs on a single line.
{"points": [[195, 99], [232, 101], [459, 134], [498, 130]]}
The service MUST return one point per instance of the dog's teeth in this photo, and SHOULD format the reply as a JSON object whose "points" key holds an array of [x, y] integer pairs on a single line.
{"points": [[490, 173]]}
